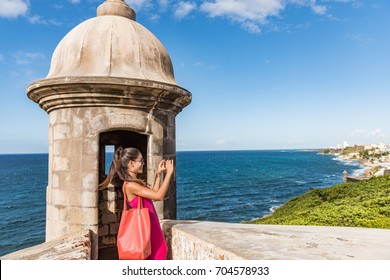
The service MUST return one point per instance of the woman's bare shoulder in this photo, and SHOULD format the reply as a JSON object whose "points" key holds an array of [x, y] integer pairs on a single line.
{"points": [[133, 185]]}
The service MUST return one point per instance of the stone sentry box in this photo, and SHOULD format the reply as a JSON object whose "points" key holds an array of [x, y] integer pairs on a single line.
{"points": [[110, 83]]}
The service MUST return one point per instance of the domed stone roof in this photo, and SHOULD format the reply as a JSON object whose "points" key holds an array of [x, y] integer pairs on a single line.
{"points": [[110, 61], [112, 44]]}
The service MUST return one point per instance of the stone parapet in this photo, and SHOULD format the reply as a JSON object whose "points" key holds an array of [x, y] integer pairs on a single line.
{"points": [[199, 240], [76, 246]]}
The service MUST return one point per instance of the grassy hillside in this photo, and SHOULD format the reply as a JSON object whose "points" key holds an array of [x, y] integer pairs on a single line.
{"points": [[361, 204]]}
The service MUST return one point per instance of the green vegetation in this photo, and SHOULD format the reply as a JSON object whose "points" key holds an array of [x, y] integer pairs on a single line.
{"points": [[360, 204], [350, 150]]}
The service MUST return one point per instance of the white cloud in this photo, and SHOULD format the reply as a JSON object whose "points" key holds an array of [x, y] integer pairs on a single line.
{"points": [[252, 14], [184, 8], [22, 57], [137, 5], [365, 134], [361, 39], [36, 19], [74, 1], [154, 17], [251, 27], [13, 8], [244, 10], [39, 20], [163, 3], [319, 9]]}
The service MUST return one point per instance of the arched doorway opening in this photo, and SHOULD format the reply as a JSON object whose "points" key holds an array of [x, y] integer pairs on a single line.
{"points": [[111, 199]]}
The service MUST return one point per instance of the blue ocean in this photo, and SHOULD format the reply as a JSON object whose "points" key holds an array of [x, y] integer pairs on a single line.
{"points": [[225, 186]]}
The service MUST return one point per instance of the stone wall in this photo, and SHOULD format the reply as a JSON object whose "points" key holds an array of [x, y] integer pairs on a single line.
{"points": [[110, 209], [76, 246], [73, 200], [200, 240]]}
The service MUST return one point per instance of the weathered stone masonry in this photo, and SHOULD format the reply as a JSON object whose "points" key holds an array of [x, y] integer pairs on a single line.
{"points": [[110, 83]]}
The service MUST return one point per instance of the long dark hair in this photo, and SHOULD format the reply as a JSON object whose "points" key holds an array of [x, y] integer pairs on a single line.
{"points": [[119, 166]]}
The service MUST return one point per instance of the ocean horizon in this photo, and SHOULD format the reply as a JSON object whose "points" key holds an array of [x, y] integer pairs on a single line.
{"points": [[225, 186]]}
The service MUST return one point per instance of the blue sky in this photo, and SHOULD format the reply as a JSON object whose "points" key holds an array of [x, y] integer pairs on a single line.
{"points": [[264, 74]]}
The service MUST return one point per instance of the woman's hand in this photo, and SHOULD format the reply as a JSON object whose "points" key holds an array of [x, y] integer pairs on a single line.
{"points": [[169, 166], [161, 167]]}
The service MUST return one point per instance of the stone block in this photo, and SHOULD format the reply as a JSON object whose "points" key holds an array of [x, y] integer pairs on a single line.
{"points": [[89, 182], [89, 199], [56, 147], [60, 197], [63, 212], [156, 147], [169, 147], [69, 180], [90, 216], [75, 147], [75, 197], [51, 213], [60, 163], [90, 146], [112, 206], [75, 164], [64, 115], [75, 216], [111, 194], [61, 131], [103, 195], [171, 120], [56, 229], [50, 136], [77, 126], [53, 117], [114, 228], [157, 129], [103, 206], [90, 164], [171, 133], [108, 218], [54, 182], [103, 230], [108, 240], [48, 195]]}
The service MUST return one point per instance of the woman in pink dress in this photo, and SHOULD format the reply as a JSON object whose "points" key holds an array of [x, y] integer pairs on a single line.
{"points": [[127, 164]]}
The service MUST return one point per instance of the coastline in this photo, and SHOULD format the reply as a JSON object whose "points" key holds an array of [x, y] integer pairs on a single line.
{"points": [[369, 169]]}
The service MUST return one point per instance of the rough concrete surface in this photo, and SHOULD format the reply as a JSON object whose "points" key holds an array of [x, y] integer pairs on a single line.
{"points": [[76, 246], [275, 242]]}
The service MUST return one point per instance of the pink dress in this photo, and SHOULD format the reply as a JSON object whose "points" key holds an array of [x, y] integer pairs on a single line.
{"points": [[157, 242]]}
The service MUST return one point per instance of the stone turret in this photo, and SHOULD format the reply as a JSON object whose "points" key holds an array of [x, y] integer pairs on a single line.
{"points": [[110, 84]]}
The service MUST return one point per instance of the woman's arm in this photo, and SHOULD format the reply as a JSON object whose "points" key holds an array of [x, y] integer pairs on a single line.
{"points": [[133, 188], [161, 168]]}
